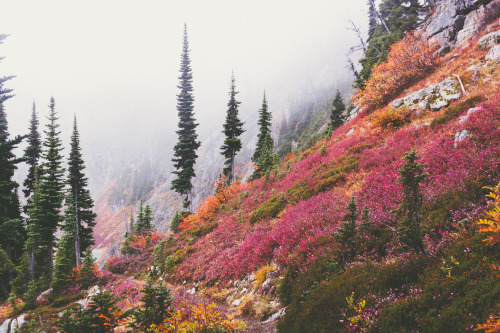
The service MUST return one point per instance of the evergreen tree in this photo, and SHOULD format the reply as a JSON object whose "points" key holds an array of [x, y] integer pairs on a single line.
{"points": [[32, 247], [80, 219], [88, 272], [336, 117], [12, 233], [32, 153], [263, 151], [65, 261], [346, 233], [144, 224], [366, 227], [187, 144], [233, 128], [157, 306], [372, 19], [264, 139], [411, 177], [51, 188], [396, 18]]}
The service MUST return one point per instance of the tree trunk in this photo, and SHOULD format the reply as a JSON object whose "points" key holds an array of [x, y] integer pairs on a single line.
{"points": [[379, 17], [232, 166]]}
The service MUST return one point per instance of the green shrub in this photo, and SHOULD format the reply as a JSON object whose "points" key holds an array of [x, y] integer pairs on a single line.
{"points": [[449, 303], [328, 183], [455, 110], [299, 191], [270, 208]]}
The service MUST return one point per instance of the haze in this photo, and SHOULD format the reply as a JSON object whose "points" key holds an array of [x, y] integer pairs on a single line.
{"points": [[115, 63]]}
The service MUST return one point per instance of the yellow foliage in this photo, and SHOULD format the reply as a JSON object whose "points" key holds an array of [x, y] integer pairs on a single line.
{"points": [[491, 224], [260, 274]]}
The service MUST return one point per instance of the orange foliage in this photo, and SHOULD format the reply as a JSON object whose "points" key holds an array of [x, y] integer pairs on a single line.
{"points": [[208, 208], [491, 326], [491, 224], [140, 243], [407, 61], [5, 312]]}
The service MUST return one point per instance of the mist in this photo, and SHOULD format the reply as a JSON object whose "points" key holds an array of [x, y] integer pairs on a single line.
{"points": [[115, 64]]}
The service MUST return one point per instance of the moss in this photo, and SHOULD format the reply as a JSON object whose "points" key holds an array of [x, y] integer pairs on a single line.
{"points": [[455, 110], [344, 164], [270, 208], [358, 149], [328, 183], [299, 191]]}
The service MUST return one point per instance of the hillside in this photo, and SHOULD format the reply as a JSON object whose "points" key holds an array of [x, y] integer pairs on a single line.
{"points": [[389, 225]]}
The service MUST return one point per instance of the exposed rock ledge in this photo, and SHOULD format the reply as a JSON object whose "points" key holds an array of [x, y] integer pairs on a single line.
{"points": [[433, 97]]}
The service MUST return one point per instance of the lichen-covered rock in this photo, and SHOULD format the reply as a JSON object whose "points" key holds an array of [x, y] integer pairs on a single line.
{"points": [[433, 97], [460, 136], [13, 325], [5, 327], [494, 53], [489, 40]]}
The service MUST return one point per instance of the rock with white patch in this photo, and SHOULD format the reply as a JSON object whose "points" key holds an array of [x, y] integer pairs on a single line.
{"points": [[460, 136], [489, 40], [467, 115], [494, 53], [433, 97]]}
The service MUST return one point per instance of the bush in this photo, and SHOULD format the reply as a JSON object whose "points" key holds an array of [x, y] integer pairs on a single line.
{"points": [[393, 118], [455, 110], [408, 61], [270, 208]]}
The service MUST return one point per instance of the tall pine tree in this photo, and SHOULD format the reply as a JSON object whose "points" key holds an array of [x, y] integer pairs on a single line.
{"points": [[12, 233], [233, 128], [187, 144], [336, 117], [262, 156], [32, 152], [51, 188], [79, 203]]}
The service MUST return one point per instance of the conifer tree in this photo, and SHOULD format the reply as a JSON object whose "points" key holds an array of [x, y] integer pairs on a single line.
{"points": [[51, 188], [336, 117], [187, 144], [32, 152], [347, 231], [411, 178], [233, 128], [80, 219], [372, 19], [264, 136], [32, 247], [263, 151], [12, 233], [144, 224], [395, 19]]}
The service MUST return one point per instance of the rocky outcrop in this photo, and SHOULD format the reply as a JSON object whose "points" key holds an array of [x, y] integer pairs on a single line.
{"points": [[494, 53], [433, 97], [489, 40], [455, 21], [13, 325]]}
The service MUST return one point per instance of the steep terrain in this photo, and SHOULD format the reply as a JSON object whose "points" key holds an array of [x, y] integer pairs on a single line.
{"points": [[374, 229]]}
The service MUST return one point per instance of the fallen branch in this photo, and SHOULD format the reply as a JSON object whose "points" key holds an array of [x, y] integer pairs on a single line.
{"points": [[461, 84]]}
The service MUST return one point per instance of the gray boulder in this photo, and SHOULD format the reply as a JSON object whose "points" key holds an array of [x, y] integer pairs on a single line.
{"points": [[433, 97], [494, 53], [489, 40]]}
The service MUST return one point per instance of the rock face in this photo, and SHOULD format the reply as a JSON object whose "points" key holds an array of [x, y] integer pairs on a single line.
{"points": [[489, 40], [455, 21], [433, 97], [494, 53], [13, 325]]}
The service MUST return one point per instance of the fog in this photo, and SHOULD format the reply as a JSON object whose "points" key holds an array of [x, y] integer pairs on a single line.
{"points": [[115, 64]]}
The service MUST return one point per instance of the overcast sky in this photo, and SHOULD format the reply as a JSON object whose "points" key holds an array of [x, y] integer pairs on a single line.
{"points": [[115, 63]]}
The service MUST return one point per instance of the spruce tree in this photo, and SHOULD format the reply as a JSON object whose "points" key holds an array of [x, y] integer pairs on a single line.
{"points": [[372, 19], [144, 224], [32, 247], [336, 117], [264, 135], [187, 144], [263, 151], [51, 188], [32, 152], [396, 19], [233, 128], [346, 233], [12, 233], [411, 177], [80, 219]]}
